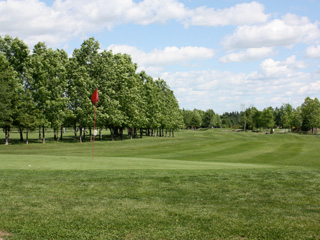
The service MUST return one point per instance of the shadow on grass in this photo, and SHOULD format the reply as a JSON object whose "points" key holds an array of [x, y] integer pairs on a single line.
{"points": [[67, 139]]}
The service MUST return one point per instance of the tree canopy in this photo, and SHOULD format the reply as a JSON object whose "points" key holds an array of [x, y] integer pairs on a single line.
{"points": [[49, 89]]}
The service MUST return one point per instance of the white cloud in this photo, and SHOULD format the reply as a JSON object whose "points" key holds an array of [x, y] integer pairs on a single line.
{"points": [[240, 14], [288, 31], [313, 51], [34, 21], [248, 55], [275, 83], [163, 57], [277, 69]]}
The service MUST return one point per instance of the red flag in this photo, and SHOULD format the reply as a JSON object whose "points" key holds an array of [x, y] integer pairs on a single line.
{"points": [[95, 96], [94, 100]]}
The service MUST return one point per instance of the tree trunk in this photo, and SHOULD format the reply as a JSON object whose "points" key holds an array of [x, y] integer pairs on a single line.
{"points": [[141, 132], [166, 132], [90, 132], [84, 133], [40, 132], [27, 136], [7, 138], [112, 134], [172, 133], [55, 134], [100, 134], [21, 134], [75, 132], [80, 137], [43, 135], [135, 134], [61, 133], [121, 133]]}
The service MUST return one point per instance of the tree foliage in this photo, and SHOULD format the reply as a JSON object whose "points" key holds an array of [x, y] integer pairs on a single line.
{"points": [[49, 89]]}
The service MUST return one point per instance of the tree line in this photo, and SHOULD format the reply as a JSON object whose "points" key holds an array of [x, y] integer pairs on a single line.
{"points": [[304, 118], [47, 88]]}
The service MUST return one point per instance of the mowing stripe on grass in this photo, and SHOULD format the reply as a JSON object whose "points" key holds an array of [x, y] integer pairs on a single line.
{"points": [[46, 162]]}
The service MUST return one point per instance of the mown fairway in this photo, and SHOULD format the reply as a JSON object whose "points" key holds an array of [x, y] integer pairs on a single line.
{"points": [[213, 184]]}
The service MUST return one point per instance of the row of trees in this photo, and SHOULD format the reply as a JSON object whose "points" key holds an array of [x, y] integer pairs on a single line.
{"points": [[201, 119], [49, 89], [304, 118]]}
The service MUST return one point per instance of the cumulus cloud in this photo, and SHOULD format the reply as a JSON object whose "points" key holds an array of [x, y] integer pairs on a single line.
{"points": [[288, 31], [33, 19], [248, 55], [163, 57], [276, 69], [313, 51], [275, 83], [240, 14]]}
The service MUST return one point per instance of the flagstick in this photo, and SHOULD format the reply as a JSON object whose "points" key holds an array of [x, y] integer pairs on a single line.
{"points": [[94, 128]]}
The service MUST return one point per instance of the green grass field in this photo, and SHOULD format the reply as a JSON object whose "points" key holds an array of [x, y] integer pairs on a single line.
{"points": [[213, 184]]}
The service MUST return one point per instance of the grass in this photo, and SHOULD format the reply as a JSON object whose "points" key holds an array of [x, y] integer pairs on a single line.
{"points": [[211, 184]]}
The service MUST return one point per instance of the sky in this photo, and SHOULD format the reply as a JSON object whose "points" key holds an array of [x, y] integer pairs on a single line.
{"points": [[224, 55]]}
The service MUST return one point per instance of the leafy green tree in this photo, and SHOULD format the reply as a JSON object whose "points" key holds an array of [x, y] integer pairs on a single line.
{"points": [[81, 84], [216, 121], [17, 54], [208, 117], [170, 112], [286, 115], [297, 119], [310, 112], [256, 119], [187, 118], [251, 118], [27, 117], [267, 118], [7, 93], [196, 119], [152, 102], [47, 83]]}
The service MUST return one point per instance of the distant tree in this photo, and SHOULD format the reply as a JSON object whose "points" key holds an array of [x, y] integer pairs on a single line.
{"points": [[208, 119], [249, 115], [267, 118], [297, 119], [310, 112], [196, 119], [216, 121], [286, 115], [187, 118]]}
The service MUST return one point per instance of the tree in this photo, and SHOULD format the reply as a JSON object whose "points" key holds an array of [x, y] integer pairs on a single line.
{"points": [[81, 84], [297, 119], [187, 118], [17, 54], [7, 86], [310, 112], [251, 118], [196, 119], [286, 115], [47, 83], [267, 118]]}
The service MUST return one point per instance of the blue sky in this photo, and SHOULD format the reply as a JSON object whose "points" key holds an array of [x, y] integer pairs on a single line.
{"points": [[213, 54]]}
